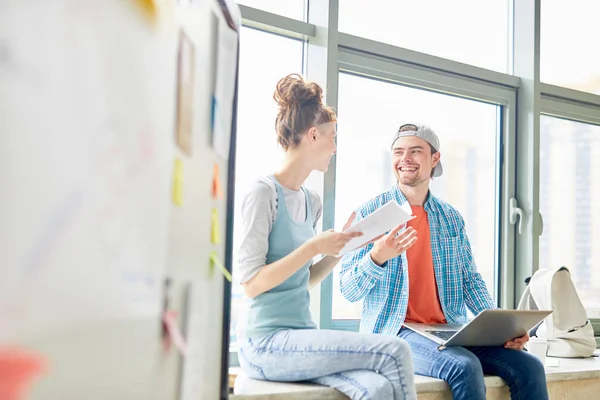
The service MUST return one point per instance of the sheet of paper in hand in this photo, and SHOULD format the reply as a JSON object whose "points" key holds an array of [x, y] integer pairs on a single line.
{"points": [[381, 221]]}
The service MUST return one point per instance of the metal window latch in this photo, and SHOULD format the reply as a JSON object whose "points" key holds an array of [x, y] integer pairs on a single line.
{"points": [[515, 212]]}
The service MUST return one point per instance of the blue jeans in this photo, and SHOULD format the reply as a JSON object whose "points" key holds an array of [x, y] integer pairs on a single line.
{"points": [[463, 368], [362, 366]]}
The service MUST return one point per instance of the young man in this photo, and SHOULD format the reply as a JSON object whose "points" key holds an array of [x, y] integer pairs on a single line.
{"points": [[431, 279]]}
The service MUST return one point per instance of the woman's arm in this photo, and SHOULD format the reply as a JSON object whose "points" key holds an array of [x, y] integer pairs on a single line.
{"points": [[256, 276], [276, 273], [321, 269]]}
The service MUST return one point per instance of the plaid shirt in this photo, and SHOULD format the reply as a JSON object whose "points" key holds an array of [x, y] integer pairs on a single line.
{"points": [[385, 289]]}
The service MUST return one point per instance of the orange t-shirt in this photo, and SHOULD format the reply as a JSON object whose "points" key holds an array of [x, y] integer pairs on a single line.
{"points": [[423, 298]]}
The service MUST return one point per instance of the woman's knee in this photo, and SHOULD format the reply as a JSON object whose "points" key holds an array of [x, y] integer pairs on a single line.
{"points": [[398, 348], [379, 387]]}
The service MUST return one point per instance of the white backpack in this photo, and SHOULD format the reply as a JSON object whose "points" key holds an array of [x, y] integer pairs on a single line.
{"points": [[568, 330]]}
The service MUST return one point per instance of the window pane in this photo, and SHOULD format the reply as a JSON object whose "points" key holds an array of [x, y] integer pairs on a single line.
{"points": [[257, 151], [568, 32], [467, 131], [570, 204], [470, 31], [288, 8]]}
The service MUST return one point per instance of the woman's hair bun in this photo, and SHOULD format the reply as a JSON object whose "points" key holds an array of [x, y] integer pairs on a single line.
{"points": [[292, 90]]}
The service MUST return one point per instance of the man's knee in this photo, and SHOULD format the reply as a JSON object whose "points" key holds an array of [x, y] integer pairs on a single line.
{"points": [[530, 365], [464, 365]]}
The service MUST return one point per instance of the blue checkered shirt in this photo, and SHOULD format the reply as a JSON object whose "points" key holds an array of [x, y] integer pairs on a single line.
{"points": [[384, 289]]}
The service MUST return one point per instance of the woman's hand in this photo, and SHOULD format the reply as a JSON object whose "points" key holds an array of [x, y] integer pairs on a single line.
{"points": [[330, 242]]}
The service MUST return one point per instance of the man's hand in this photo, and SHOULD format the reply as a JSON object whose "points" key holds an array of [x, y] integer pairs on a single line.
{"points": [[392, 244], [518, 343]]}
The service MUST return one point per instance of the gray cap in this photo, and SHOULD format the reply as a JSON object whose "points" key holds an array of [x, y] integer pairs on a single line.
{"points": [[425, 133]]}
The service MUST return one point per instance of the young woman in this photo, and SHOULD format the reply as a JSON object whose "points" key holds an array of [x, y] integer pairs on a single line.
{"points": [[279, 341]]}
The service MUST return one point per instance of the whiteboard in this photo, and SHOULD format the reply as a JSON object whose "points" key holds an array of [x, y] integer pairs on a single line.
{"points": [[86, 109]]}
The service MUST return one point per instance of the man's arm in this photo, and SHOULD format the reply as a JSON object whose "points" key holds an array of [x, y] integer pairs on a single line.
{"points": [[476, 294], [359, 273]]}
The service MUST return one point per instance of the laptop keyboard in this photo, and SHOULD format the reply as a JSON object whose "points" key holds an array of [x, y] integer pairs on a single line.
{"points": [[444, 335]]}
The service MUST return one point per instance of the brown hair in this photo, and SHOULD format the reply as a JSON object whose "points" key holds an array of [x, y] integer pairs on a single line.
{"points": [[300, 107]]}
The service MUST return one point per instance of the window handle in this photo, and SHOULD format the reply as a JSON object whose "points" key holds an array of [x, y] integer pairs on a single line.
{"points": [[515, 212]]}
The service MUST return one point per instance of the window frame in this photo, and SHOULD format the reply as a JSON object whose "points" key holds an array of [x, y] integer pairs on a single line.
{"points": [[388, 68], [574, 106], [519, 93]]}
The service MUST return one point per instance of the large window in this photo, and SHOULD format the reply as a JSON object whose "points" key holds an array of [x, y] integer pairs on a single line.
{"points": [[470, 31], [568, 39], [570, 204], [486, 122], [257, 151], [468, 136]]}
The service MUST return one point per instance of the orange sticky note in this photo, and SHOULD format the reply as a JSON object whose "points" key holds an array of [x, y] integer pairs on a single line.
{"points": [[215, 262], [178, 182], [215, 232], [217, 189], [18, 369]]}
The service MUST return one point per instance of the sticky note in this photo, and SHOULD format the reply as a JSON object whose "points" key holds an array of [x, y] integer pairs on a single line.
{"points": [[18, 369], [217, 189], [215, 232], [149, 8], [170, 321], [178, 182], [215, 262]]}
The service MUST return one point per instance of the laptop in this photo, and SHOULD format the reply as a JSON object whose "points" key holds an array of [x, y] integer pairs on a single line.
{"points": [[489, 328]]}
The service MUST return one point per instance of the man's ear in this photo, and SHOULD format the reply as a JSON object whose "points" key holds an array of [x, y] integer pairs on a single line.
{"points": [[436, 158]]}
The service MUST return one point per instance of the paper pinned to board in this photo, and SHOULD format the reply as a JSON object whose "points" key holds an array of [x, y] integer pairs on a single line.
{"points": [[227, 49], [379, 222], [215, 231], [18, 369], [215, 262], [185, 92]]}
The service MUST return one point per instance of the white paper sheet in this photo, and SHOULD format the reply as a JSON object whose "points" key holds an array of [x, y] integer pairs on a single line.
{"points": [[225, 88], [383, 220]]}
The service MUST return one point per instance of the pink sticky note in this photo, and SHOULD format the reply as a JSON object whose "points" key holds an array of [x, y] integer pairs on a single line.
{"points": [[170, 321], [18, 369]]}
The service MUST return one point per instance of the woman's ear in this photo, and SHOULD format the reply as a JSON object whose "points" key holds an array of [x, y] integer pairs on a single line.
{"points": [[312, 134]]}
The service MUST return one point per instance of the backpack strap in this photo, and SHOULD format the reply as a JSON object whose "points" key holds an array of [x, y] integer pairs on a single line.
{"points": [[541, 290], [527, 302]]}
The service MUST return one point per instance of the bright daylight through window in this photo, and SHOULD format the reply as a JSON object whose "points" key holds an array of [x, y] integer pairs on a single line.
{"points": [[257, 151], [570, 204], [468, 135]]}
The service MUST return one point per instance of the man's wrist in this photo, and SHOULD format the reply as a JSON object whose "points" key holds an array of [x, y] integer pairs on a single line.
{"points": [[375, 259]]}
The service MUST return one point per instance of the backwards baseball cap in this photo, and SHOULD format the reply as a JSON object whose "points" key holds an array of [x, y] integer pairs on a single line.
{"points": [[425, 133]]}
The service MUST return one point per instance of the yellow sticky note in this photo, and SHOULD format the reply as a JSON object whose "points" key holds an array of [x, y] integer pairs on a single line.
{"points": [[215, 232], [215, 262], [178, 182], [149, 8]]}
